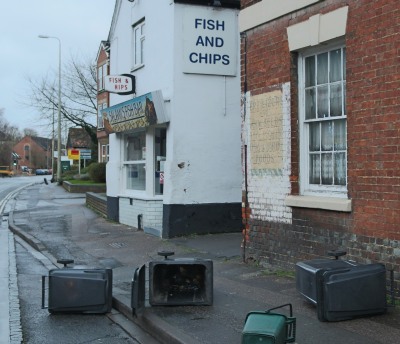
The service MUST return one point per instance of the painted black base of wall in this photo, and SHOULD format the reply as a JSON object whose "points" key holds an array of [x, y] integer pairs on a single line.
{"points": [[181, 220], [113, 208]]}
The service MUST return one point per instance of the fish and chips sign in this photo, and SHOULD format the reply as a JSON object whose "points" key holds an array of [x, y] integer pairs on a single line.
{"points": [[210, 41], [140, 112], [120, 84]]}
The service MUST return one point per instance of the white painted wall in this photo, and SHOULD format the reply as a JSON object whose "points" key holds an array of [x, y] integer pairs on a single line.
{"points": [[204, 110], [113, 167], [318, 29], [268, 189], [204, 133], [150, 210], [157, 73]]}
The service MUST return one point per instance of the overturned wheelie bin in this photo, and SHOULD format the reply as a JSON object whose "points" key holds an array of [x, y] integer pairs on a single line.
{"points": [[173, 282], [77, 290], [269, 327], [342, 289]]}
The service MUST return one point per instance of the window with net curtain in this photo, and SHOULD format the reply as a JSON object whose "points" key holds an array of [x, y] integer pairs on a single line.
{"points": [[325, 117]]}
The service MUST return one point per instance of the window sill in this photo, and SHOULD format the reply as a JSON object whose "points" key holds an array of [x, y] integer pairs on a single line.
{"points": [[141, 197], [326, 203], [137, 67]]}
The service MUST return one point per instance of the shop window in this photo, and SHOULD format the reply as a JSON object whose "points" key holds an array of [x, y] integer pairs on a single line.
{"points": [[138, 44], [323, 124], [135, 161], [160, 146]]}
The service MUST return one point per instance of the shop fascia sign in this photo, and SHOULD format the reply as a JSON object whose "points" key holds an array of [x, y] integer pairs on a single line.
{"points": [[120, 84], [210, 41], [139, 112]]}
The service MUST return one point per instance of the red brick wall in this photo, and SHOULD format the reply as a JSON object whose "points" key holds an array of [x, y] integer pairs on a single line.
{"points": [[371, 232], [39, 158], [103, 97], [101, 58], [247, 3], [373, 88]]}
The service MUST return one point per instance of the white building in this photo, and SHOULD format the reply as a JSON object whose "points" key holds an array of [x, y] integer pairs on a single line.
{"points": [[175, 147]]}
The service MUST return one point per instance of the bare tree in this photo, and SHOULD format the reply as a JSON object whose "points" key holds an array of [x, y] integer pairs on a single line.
{"points": [[30, 132], [9, 136], [78, 95]]}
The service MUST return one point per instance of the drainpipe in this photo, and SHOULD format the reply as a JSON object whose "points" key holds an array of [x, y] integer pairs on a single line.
{"points": [[243, 36]]}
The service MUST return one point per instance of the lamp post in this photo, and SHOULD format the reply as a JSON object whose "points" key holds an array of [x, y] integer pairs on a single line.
{"points": [[52, 150], [59, 108]]}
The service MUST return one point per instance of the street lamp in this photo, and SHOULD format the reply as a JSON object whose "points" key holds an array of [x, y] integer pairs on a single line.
{"points": [[59, 109]]}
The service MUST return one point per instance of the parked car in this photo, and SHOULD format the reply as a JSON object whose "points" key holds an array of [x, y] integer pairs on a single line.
{"points": [[40, 171], [5, 171]]}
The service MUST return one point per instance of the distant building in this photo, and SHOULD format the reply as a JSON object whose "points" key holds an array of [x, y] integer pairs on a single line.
{"points": [[35, 152], [78, 138]]}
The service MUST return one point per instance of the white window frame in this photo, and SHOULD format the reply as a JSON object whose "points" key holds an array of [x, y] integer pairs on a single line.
{"points": [[100, 119], [139, 162], [105, 153], [159, 161], [100, 79], [306, 188], [105, 73], [150, 165], [138, 41], [101, 74]]}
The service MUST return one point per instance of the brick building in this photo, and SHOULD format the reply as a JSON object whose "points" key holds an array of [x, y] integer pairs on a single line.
{"points": [[103, 100], [78, 138], [35, 152], [321, 130]]}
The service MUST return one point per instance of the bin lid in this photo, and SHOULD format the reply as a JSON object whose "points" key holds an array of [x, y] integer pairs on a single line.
{"points": [[138, 290], [269, 324], [324, 263]]}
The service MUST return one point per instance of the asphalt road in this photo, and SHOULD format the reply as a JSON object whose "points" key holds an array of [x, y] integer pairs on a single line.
{"points": [[70, 230], [38, 325], [41, 327]]}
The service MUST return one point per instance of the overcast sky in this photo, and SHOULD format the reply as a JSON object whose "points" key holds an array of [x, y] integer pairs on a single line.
{"points": [[80, 25]]}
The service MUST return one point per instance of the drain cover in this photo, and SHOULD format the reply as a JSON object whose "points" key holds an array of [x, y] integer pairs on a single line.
{"points": [[117, 244]]}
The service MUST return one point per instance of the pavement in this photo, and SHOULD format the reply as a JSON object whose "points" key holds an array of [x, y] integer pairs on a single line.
{"points": [[59, 225]]}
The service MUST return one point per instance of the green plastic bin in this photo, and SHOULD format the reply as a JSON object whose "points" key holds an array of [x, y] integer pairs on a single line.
{"points": [[266, 327]]}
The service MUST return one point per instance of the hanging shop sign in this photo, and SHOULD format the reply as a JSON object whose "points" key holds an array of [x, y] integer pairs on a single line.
{"points": [[210, 41], [121, 84], [139, 112]]}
